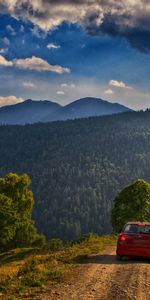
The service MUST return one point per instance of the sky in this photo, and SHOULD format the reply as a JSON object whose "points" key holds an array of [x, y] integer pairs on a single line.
{"points": [[65, 50]]}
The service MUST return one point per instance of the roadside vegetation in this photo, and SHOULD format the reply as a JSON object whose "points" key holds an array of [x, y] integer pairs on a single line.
{"points": [[24, 271], [17, 228], [132, 204], [29, 263]]}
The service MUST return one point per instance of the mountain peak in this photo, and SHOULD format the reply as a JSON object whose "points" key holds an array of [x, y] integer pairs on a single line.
{"points": [[87, 107], [32, 111]]}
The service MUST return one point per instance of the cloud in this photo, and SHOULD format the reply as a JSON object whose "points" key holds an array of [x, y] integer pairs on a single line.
{"points": [[9, 100], [125, 18], [119, 84], [66, 85], [60, 93], [10, 29], [22, 28], [36, 31], [38, 64], [53, 46], [2, 50], [33, 63], [109, 92], [29, 84], [6, 41], [4, 62], [48, 15]]}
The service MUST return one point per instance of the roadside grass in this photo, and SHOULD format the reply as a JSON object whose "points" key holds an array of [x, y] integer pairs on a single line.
{"points": [[16, 255], [23, 270]]}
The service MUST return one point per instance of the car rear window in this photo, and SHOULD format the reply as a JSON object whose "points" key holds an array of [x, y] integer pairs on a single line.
{"points": [[135, 228]]}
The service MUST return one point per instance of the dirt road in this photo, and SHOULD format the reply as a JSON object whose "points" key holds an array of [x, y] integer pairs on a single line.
{"points": [[103, 278]]}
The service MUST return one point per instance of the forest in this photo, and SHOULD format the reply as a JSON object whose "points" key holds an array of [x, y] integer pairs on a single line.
{"points": [[77, 168]]}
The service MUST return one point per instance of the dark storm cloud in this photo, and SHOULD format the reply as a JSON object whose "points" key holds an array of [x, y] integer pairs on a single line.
{"points": [[125, 18]]}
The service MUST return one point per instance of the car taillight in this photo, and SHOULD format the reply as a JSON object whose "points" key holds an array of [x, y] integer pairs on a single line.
{"points": [[122, 238]]}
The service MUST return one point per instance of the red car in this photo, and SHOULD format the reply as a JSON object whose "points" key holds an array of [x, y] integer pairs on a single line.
{"points": [[134, 240]]}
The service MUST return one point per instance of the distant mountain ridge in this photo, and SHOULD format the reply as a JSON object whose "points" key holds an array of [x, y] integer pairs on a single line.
{"points": [[31, 111], [86, 107], [28, 111]]}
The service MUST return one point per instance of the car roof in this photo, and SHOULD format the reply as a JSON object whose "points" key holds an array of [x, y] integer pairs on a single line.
{"points": [[139, 223]]}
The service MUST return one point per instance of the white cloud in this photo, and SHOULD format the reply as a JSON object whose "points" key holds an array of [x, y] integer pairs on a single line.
{"points": [[4, 62], [11, 29], [22, 28], [60, 93], [38, 64], [34, 63], [109, 92], [28, 84], [3, 51], [66, 85], [119, 84], [53, 46], [6, 41], [36, 31], [9, 100]]}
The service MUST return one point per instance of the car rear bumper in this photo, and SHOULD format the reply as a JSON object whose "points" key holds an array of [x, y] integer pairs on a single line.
{"points": [[126, 251]]}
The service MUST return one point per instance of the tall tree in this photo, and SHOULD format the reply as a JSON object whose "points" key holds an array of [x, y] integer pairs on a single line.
{"points": [[132, 204], [16, 203], [8, 220]]}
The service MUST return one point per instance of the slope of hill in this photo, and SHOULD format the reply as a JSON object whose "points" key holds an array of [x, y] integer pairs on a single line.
{"points": [[86, 107], [43, 111], [78, 167], [36, 273], [28, 111]]}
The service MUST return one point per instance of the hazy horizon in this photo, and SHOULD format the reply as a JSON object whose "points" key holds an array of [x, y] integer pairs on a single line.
{"points": [[63, 105]]}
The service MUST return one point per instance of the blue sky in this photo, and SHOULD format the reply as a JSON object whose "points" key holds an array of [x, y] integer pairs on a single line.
{"points": [[63, 57]]}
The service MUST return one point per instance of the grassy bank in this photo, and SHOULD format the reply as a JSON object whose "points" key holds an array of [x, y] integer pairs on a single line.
{"points": [[24, 270]]}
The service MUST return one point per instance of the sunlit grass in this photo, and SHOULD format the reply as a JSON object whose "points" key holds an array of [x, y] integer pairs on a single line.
{"points": [[23, 270]]}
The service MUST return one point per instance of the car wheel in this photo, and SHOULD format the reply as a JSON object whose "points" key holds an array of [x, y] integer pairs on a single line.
{"points": [[119, 257]]}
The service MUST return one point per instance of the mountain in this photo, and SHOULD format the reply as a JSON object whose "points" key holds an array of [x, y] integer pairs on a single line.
{"points": [[86, 107], [31, 111], [28, 111], [78, 167]]}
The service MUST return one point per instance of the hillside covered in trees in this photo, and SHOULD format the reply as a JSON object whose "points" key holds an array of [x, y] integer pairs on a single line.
{"points": [[77, 168]]}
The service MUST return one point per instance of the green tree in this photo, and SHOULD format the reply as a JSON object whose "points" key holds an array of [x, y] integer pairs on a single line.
{"points": [[8, 218], [132, 204], [16, 203]]}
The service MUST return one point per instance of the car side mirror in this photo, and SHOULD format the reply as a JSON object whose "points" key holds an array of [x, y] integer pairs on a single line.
{"points": [[120, 230]]}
